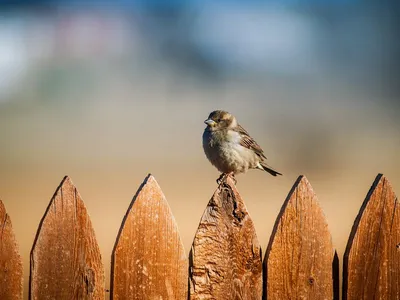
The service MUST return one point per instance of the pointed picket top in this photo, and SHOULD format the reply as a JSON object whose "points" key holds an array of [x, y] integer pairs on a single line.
{"points": [[225, 260], [65, 257], [299, 258], [371, 265], [11, 277], [148, 260]]}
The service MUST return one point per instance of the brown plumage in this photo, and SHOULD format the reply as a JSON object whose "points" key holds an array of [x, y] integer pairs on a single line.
{"points": [[230, 148]]}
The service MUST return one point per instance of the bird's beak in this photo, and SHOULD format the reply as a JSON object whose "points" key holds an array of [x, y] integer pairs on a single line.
{"points": [[210, 122]]}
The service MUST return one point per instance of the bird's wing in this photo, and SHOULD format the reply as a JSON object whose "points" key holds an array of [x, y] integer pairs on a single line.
{"points": [[248, 142]]}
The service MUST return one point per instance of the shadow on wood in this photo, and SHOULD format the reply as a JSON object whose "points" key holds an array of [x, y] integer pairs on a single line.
{"points": [[335, 277], [65, 257], [225, 259], [299, 258], [371, 264], [148, 260], [10, 260]]}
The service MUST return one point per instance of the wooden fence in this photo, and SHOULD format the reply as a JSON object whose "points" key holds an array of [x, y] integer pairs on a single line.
{"points": [[149, 261]]}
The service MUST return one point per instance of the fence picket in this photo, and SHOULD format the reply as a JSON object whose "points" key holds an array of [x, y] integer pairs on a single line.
{"points": [[299, 258], [148, 260], [11, 279], [65, 257], [371, 265], [225, 259]]}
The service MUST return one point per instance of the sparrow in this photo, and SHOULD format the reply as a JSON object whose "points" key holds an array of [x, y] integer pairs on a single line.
{"points": [[230, 148]]}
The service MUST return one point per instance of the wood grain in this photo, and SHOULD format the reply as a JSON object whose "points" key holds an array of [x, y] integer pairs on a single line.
{"points": [[148, 260], [225, 260], [371, 268], [11, 277], [299, 258], [65, 258]]}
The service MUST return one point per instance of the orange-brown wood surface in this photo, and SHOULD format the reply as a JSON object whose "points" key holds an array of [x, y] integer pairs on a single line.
{"points": [[65, 258], [299, 258], [10, 260], [149, 261], [225, 260], [371, 267]]}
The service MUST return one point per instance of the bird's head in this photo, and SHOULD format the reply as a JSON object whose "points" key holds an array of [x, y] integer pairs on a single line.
{"points": [[220, 119]]}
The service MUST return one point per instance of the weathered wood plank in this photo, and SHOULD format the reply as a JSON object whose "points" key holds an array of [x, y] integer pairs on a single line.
{"points": [[371, 264], [11, 277], [299, 258], [148, 260], [225, 260], [65, 257]]}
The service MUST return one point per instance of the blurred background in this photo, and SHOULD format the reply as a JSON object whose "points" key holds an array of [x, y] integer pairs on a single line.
{"points": [[109, 91]]}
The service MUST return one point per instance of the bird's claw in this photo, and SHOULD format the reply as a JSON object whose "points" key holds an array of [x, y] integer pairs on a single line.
{"points": [[221, 178], [224, 176], [233, 178]]}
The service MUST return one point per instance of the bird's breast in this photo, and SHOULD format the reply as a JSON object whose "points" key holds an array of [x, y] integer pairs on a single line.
{"points": [[224, 151]]}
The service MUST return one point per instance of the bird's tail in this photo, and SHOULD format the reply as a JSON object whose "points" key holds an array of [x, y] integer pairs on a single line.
{"points": [[269, 169]]}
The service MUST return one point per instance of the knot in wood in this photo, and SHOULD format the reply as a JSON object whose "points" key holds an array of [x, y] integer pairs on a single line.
{"points": [[311, 281], [398, 246]]}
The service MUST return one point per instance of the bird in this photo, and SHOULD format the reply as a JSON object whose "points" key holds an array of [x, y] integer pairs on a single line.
{"points": [[230, 148]]}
